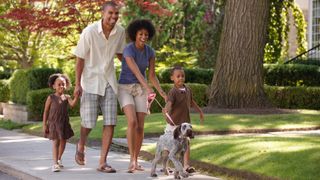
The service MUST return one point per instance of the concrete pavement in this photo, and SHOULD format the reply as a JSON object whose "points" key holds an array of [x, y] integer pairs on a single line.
{"points": [[30, 157]]}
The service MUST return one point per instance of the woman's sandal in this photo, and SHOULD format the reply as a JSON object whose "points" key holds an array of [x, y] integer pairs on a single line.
{"points": [[139, 168], [131, 169], [106, 169], [79, 157]]}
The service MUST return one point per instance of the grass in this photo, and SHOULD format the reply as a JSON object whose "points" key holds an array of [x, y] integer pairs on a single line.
{"points": [[9, 125], [284, 157], [213, 122]]}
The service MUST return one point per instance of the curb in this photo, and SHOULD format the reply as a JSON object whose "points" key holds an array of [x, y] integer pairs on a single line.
{"points": [[16, 173]]}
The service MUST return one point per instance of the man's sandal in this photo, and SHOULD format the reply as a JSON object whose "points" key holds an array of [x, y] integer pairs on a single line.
{"points": [[106, 169], [79, 157]]}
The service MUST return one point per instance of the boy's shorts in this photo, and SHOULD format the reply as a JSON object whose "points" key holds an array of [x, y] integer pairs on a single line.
{"points": [[89, 108], [133, 94]]}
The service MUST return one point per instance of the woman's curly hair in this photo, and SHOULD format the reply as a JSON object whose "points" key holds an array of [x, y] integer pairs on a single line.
{"points": [[54, 77], [139, 24]]}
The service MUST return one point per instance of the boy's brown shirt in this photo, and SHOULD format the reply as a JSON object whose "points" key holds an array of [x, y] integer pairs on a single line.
{"points": [[181, 103]]}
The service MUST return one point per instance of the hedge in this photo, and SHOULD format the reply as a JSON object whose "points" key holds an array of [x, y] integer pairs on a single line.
{"points": [[291, 75], [23, 81], [19, 86], [4, 91], [294, 97], [38, 77], [309, 61], [274, 75], [36, 100], [197, 75]]}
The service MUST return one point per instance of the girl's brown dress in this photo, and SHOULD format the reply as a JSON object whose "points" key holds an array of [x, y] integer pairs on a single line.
{"points": [[58, 119]]}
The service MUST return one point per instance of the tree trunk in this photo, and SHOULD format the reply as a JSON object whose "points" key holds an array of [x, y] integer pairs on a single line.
{"points": [[238, 75]]}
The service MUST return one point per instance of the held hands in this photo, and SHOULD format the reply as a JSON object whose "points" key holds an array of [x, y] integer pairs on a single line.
{"points": [[77, 91]]}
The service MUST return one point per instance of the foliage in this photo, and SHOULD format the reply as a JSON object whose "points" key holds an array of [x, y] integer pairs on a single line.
{"points": [[38, 77], [9, 125], [294, 97], [4, 91], [208, 50], [4, 74], [37, 98], [192, 75], [181, 20], [291, 75], [277, 45], [175, 53], [23, 81], [308, 61], [19, 86]]}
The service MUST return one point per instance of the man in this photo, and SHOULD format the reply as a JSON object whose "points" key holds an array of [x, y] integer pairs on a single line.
{"points": [[96, 80]]}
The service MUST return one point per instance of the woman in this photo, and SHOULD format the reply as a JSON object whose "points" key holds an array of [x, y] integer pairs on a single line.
{"points": [[133, 86]]}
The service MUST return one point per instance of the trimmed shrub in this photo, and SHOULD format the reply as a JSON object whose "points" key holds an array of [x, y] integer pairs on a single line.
{"points": [[23, 81], [274, 75], [291, 75], [19, 86], [36, 100], [38, 77], [294, 97], [4, 91], [309, 61], [197, 75]]}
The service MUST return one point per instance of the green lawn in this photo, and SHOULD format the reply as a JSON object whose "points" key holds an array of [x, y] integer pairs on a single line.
{"points": [[155, 123], [284, 157]]}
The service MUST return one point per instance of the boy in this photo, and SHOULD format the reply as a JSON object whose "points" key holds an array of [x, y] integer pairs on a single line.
{"points": [[178, 108]]}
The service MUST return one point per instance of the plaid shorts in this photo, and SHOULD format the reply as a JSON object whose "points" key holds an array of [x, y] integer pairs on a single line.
{"points": [[89, 108]]}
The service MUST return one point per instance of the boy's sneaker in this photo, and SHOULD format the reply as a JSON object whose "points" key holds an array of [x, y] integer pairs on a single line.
{"points": [[60, 164], [56, 168]]}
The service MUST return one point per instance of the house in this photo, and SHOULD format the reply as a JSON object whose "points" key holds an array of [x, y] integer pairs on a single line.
{"points": [[311, 11]]}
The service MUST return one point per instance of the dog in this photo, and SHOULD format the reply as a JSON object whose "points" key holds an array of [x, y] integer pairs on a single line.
{"points": [[170, 146]]}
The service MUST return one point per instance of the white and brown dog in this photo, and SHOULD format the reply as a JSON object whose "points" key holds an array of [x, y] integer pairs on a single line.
{"points": [[170, 146]]}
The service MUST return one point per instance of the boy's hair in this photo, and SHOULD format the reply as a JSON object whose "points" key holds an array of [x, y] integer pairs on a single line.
{"points": [[139, 24], [175, 68], [108, 3], [53, 78]]}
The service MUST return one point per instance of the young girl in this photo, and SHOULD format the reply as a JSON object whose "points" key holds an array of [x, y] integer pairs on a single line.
{"points": [[56, 124]]}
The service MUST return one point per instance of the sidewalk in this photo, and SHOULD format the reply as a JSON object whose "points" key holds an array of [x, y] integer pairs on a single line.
{"points": [[30, 157]]}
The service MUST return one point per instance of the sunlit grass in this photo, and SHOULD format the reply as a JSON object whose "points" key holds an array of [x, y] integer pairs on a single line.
{"points": [[155, 123], [284, 157]]}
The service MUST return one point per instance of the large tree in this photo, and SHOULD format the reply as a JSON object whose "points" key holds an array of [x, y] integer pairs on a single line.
{"points": [[238, 77]]}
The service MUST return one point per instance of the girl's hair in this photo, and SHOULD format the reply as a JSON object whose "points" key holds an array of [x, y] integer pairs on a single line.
{"points": [[175, 68], [53, 78], [139, 24]]}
